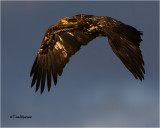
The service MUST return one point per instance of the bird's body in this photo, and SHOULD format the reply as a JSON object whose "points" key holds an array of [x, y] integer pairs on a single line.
{"points": [[63, 40]]}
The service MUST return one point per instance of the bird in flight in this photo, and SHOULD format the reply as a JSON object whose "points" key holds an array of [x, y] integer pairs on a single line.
{"points": [[64, 39]]}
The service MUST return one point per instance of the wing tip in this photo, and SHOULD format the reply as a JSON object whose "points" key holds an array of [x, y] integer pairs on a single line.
{"points": [[55, 82]]}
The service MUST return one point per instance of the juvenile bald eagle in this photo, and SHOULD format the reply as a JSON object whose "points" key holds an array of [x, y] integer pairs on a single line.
{"points": [[63, 40]]}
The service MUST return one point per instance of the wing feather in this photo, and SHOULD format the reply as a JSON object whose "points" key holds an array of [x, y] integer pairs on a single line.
{"points": [[48, 72], [54, 67], [44, 69], [35, 75], [54, 54], [124, 41], [39, 74], [34, 67]]}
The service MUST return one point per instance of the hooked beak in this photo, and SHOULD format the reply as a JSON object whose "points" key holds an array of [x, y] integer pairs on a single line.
{"points": [[62, 22]]}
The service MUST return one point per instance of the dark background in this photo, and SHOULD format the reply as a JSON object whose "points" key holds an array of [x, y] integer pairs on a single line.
{"points": [[95, 89]]}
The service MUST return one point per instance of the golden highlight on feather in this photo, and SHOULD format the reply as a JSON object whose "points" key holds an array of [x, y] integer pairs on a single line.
{"points": [[60, 47], [62, 22]]}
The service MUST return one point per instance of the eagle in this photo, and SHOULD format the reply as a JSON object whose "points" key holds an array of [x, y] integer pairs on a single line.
{"points": [[64, 39]]}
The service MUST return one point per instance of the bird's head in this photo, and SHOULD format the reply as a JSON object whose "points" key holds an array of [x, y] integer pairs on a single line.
{"points": [[67, 21]]}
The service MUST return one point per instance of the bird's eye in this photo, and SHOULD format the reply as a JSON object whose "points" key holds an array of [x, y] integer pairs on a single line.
{"points": [[72, 20]]}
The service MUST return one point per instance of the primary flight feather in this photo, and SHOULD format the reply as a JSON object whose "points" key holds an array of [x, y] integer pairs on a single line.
{"points": [[63, 40]]}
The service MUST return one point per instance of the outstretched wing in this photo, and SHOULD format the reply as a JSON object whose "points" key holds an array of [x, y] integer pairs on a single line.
{"points": [[56, 49], [125, 41]]}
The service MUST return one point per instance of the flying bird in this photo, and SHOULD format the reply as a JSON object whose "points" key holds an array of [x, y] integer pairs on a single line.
{"points": [[64, 39]]}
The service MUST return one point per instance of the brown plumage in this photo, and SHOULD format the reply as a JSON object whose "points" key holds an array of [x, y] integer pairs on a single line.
{"points": [[63, 40]]}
